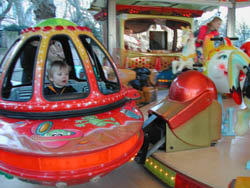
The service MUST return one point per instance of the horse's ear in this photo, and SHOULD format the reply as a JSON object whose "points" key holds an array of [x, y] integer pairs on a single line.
{"points": [[227, 42]]}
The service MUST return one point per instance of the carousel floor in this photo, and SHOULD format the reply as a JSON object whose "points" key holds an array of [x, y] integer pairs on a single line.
{"points": [[215, 166]]}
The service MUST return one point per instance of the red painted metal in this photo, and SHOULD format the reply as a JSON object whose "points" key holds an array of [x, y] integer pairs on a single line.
{"points": [[189, 85]]}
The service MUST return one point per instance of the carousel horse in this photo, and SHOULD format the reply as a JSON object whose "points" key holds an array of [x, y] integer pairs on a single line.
{"points": [[217, 59], [227, 66], [188, 56]]}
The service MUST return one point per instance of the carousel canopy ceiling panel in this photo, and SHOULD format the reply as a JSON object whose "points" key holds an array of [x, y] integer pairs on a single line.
{"points": [[191, 4]]}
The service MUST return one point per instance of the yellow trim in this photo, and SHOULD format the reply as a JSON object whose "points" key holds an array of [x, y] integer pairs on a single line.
{"points": [[185, 58]]}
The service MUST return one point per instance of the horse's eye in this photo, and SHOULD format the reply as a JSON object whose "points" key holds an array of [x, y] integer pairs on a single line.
{"points": [[222, 56]]}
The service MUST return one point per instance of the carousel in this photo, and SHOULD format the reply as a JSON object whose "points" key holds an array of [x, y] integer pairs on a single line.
{"points": [[198, 136], [69, 138]]}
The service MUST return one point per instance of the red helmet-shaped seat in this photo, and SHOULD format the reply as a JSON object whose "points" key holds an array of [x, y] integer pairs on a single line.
{"points": [[189, 85]]}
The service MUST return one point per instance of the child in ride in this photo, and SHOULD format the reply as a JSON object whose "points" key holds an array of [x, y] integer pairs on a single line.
{"points": [[210, 28], [58, 75]]}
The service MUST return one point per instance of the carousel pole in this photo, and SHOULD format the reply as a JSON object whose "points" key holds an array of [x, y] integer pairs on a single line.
{"points": [[111, 4], [231, 19]]}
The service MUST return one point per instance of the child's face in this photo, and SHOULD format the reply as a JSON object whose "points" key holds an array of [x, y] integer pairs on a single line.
{"points": [[216, 24], [60, 77]]}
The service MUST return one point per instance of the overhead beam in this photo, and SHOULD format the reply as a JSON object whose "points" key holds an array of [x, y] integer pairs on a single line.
{"points": [[242, 4], [198, 2]]}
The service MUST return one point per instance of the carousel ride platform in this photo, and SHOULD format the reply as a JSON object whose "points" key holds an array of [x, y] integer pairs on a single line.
{"points": [[223, 165]]}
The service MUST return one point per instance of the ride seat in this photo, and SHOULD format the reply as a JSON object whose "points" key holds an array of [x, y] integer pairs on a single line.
{"points": [[79, 86], [22, 93]]}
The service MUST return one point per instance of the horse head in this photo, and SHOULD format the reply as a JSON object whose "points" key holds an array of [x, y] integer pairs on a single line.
{"points": [[187, 34], [188, 42], [187, 58], [219, 63]]}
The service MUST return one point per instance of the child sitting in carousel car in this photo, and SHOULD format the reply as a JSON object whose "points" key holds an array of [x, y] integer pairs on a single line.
{"points": [[58, 75]]}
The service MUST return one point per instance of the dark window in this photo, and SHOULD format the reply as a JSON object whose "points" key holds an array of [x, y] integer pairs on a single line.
{"points": [[158, 40], [106, 76], [17, 84]]}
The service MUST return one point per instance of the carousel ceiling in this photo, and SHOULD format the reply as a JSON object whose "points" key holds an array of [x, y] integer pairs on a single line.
{"points": [[191, 4]]}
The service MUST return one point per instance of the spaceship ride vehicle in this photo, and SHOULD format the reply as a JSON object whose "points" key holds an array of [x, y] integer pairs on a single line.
{"points": [[71, 138]]}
